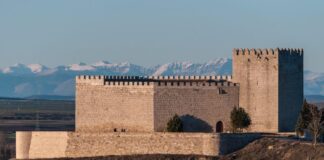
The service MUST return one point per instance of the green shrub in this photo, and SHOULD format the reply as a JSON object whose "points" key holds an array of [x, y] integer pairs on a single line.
{"points": [[240, 119], [304, 118], [175, 124]]}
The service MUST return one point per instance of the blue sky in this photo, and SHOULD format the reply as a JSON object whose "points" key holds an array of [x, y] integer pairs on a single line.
{"points": [[150, 32]]}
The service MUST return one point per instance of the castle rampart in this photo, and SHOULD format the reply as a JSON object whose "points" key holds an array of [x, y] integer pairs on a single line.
{"points": [[41, 145], [92, 78], [144, 104]]}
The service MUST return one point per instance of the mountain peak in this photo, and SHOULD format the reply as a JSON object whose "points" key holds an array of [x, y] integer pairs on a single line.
{"points": [[80, 67], [101, 63], [37, 68]]}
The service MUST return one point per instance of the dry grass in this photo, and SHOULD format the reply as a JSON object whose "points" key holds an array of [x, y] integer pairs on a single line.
{"points": [[7, 151], [274, 149]]}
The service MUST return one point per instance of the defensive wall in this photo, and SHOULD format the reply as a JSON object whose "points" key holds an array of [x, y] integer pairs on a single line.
{"points": [[145, 104], [73, 144], [271, 86]]}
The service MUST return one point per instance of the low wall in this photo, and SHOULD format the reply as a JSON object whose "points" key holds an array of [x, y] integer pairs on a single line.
{"points": [[32, 145], [85, 145]]}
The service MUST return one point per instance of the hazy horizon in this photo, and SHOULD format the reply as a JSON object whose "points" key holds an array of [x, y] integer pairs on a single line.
{"points": [[148, 33]]}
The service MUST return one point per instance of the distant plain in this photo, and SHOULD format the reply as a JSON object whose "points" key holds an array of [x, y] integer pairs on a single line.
{"points": [[40, 115]]}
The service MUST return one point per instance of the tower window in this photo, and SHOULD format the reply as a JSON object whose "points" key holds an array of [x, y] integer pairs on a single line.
{"points": [[221, 91]]}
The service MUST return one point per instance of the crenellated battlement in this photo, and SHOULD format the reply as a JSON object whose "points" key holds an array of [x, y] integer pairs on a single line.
{"points": [[145, 78], [224, 80], [90, 79], [269, 51], [171, 83]]}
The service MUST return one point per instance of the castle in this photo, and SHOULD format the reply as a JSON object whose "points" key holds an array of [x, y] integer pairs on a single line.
{"points": [[267, 83]]}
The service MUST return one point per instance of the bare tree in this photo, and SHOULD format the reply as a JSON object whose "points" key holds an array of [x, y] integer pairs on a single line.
{"points": [[316, 124]]}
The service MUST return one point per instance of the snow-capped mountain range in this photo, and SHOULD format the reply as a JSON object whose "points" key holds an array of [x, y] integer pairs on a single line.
{"points": [[21, 80]]}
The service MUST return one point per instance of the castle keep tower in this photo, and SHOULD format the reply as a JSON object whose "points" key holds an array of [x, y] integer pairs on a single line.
{"points": [[271, 86]]}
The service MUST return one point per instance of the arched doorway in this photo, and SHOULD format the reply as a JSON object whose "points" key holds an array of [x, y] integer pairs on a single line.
{"points": [[219, 127]]}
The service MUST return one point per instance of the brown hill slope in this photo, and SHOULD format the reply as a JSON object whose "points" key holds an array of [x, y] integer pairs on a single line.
{"points": [[275, 149]]}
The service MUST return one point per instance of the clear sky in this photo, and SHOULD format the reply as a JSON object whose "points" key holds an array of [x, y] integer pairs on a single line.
{"points": [[149, 32]]}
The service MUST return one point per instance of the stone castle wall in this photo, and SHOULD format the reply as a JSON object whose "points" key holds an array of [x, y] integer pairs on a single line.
{"points": [[80, 144], [35, 145], [291, 90], [267, 84], [200, 105], [146, 106], [105, 108]]}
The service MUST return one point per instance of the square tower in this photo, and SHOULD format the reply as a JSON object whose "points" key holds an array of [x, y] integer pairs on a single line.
{"points": [[271, 86]]}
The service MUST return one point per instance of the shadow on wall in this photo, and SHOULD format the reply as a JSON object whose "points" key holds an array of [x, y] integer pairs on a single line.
{"points": [[234, 141], [194, 124]]}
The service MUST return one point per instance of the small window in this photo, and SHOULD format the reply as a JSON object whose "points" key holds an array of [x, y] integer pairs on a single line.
{"points": [[222, 91], [267, 59]]}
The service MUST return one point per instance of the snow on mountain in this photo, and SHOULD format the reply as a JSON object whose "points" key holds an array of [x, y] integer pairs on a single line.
{"points": [[21, 80], [102, 64], [214, 67], [16, 69], [81, 67], [37, 68], [313, 83], [22, 69]]}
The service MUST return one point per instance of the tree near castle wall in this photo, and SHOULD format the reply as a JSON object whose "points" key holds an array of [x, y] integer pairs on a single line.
{"points": [[316, 125], [240, 119], [311, 119], [175, 124], [304, 119]]}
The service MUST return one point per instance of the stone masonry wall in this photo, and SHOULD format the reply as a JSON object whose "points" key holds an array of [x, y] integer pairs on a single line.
{"points": [[200, 105], [89, 145], [257, 73], [36, 145], [291, 90], [131, 106], [103, 108], [271, 86]]}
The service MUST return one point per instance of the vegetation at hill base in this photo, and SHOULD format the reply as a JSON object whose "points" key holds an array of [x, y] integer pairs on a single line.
{"points": [[311, 118], [304, 118]]}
